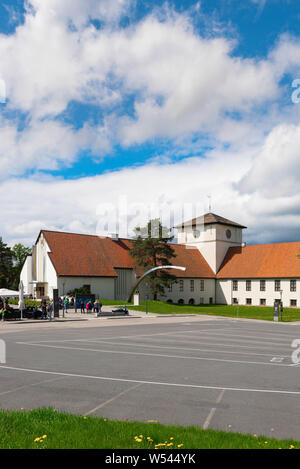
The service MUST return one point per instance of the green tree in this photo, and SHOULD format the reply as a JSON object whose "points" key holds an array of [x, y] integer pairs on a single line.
{"points": [[6, 265], [20, 252], [151, 248]]}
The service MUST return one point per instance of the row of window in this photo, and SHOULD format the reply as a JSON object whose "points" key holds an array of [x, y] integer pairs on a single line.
{"points": [[262, 285], [192, 285], [191, 301], [262, 302]]}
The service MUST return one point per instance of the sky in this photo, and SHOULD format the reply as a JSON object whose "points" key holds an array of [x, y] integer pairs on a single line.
{"points": [[115, 111]]}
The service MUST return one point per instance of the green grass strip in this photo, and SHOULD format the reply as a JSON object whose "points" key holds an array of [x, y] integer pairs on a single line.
{"points": [[232, 311], [49, 429]]}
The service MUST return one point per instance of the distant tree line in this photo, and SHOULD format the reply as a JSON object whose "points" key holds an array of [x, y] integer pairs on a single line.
{"points": [[11, 263]]}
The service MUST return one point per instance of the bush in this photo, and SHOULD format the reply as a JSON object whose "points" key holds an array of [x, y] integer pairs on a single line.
{"points": [[27, 302]]}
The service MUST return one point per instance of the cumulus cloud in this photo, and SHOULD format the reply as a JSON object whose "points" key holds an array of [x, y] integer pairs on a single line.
{"points": [[181, 82], [183, 86]]}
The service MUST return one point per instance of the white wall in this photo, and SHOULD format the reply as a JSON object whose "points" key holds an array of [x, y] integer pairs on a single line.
{"points": [[102, 287], [224, 295], [211, 240], [187, 294], [26, 276]]}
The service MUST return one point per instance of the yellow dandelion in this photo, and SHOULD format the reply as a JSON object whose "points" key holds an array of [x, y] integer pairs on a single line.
{"points": [[180, 446], [292, 447], [170, 444], [266, 442], [44, 436], [255, 436], [172, 438], [37, 439], [138, 440]]}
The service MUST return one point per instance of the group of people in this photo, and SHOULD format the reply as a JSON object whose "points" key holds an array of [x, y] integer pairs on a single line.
{"points": [[90, 306], [47, 309]]}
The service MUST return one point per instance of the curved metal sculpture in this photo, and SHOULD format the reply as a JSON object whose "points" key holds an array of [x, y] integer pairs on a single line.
{"points": [[149, 272]]}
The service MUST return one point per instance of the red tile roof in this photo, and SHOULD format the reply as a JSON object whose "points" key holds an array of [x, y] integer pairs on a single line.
{"points": [[262, 261], [92, 256]]}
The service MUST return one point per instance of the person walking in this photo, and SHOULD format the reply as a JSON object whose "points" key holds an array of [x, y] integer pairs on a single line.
{"points": [[66, 304], [82, 306]]}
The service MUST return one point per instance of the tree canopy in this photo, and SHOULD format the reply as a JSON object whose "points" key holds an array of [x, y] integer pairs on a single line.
{"points": [[151, 248], [11, 263]]}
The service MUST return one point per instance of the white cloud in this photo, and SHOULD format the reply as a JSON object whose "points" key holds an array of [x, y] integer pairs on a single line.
{"points": [[32, 204], [46, 145], [182, 82], [275, 169]]}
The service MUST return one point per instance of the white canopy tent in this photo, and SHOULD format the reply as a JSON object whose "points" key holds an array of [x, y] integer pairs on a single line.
{"points": [[4, 292]]}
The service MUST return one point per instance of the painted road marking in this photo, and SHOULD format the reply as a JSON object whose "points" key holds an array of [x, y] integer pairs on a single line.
{"points": [[155, 383]]}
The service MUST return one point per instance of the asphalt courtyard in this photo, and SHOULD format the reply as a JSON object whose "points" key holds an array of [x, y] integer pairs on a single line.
{"points": [[233, 375]]}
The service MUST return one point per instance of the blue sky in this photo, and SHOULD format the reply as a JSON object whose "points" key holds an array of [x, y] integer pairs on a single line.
{"points": [[116, 93]]}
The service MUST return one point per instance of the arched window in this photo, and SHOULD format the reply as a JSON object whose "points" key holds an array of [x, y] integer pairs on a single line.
{"points": [[181, 301], [191, 301], [170, 301]]}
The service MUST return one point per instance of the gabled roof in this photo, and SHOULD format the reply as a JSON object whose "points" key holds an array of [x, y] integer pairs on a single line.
{"points": [[209, 219], [81, 255], [262, 261]]}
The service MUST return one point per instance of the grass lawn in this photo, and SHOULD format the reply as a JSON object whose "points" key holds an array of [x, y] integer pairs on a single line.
{"points": [[250, 312], [115, 302], [46, 428]]}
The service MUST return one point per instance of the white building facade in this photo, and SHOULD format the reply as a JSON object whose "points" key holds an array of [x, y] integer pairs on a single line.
{"points": [[219, 267]]}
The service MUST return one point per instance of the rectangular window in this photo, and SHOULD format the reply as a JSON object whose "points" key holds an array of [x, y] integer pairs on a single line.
{"points": [[262, 302], [293, 285], [248, 301], [235, 285], [262, 285], [201, 285], [170, 287], [235, 301], [277, 285], [181, 285], [293, 303], [248, 285], [192, 285]]}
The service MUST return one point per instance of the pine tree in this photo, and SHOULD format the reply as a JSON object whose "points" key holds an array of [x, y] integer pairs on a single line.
{"points": [[151, 248]]}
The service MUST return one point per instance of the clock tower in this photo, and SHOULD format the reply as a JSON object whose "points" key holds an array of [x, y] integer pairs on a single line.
{"points": [[212, 235]]}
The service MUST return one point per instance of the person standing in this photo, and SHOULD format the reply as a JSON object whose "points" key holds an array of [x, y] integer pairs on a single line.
{"points": [[82, 306], [50, 309], [44, 309], [66, 303]]}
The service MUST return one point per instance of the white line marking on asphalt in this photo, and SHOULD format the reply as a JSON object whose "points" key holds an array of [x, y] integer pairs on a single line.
{"points": [[213, 333], [29, 386], [277, 359], [156, 383], [210, 341], [112, 338], [213, 411], [153, 355], [113, 398], [270, 354]]}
